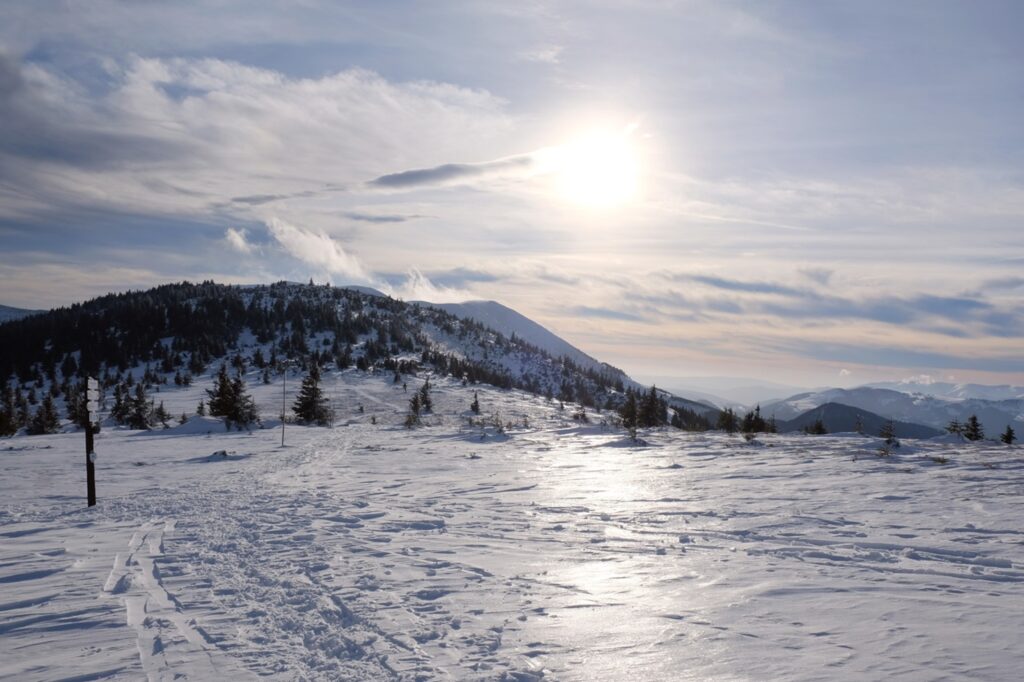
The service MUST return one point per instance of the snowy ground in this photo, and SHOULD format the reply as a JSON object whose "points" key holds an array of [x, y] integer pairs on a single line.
{"points": [[368, 551]]}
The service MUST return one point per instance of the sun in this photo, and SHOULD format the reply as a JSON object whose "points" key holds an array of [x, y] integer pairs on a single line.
{"points": [[597, 169]]}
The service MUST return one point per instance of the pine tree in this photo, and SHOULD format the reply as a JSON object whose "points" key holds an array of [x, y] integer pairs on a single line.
{"points": [[45, 419], [630, 414], [245, 412], [426, 404], [413, 418], [229, 400], [8, 414], [475, 405], [973, 429], [139, 409], [727, 420], [955, 426], [201, 409], [888, 432], [1008, 435], [161, 415], [221, 398], [311, 406], [817, 428]]}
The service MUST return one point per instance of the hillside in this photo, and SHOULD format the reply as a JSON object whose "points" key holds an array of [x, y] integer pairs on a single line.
{"points": [[7, 313], [839, 418], [511, 323], [181, 329]]}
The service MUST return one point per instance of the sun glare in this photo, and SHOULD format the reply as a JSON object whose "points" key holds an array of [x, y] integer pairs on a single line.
{"points": [[598, 169]]}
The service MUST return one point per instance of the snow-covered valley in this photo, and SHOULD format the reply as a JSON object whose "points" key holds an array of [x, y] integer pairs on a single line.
{"points": [[546, 548]]}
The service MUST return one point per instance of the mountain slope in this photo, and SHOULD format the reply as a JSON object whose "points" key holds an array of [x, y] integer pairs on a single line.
{"points": [[994, 415], [183, 328], [8, 313], [512, 323], [839, 418]]}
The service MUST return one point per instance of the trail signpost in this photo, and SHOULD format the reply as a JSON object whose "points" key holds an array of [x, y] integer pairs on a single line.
{"points": [[92, 407]]}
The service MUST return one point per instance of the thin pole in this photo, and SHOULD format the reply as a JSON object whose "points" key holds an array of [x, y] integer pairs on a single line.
{"points": [[284, 381]]}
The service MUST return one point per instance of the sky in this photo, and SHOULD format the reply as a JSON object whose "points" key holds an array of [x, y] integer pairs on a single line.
{"points": [[813, 193]]}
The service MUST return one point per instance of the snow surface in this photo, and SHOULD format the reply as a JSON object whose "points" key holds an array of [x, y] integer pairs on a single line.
{"points": [[522, 546]]}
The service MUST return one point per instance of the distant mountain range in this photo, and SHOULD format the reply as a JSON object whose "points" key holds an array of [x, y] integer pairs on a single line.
{"points": [[8, 313], [926, 410], [949, 391], [838, 418]]}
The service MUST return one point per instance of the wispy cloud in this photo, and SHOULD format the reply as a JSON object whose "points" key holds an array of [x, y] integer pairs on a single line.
{"points": [[319, 250], [451, 173], [236, 239]]}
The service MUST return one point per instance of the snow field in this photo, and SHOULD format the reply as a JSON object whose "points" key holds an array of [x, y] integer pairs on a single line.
{"points": [[547, 550]]}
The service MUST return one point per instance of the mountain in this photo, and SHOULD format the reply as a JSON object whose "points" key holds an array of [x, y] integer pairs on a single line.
{"points": [[511, 323], [189, 329], [7, 313], [839, 418], [736, 392], [994, 415], [950, 391], [515, 325]]}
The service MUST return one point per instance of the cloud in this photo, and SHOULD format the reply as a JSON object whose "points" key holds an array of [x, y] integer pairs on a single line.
{"points": [[749, 287], [603, 313], [234, 137], [317, 249], [236, 239], [378, 218], [548, 54], [418, 287], [820, 276], [450, 173]]}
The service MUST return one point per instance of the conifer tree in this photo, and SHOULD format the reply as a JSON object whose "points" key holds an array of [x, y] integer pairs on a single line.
{"points": [[630, 414], [161, 415], [8, 414], [888, 432], [45, 419], [955, 426], [426, 404], [727, 420], [475, 405], [1008, 435], [139, 409], [311, 406], [973, 429]]}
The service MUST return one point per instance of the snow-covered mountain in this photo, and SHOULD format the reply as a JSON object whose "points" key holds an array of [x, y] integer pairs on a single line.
{"points": [[994, 415], [950, 391], [8, 313], [514, 324]]}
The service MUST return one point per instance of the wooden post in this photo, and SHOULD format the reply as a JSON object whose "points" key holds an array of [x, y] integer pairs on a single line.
{"points": [[90, 468]]}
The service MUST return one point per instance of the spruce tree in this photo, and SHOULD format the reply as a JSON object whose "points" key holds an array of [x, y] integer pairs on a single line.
{"points": [[475, 405], [45, 419], [955, 426], [8, 414], [973, 429], [139, 409], [1008, 435], [630, 414], [727, 420], [888, 432], [426, 404], [311, 406]]}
